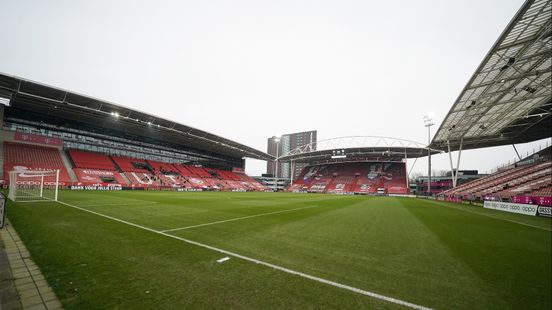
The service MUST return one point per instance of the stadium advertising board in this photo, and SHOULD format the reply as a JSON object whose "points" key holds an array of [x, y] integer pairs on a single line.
{"points": [[183, 189], [96, 187], [544, 211], [536, 200], [511, 207], [19, 136]]}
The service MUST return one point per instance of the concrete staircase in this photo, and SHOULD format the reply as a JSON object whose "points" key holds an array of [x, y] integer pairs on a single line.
{"points": [[125, 178], [68, 165]]}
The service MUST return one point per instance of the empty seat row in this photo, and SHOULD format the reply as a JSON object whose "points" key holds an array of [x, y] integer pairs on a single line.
{"points": [[91, 160], [21, 157], [357, 177], [513, 181]]}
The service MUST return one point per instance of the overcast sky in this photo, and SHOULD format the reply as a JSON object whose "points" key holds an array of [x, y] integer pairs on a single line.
{"points": [[248, 70]]}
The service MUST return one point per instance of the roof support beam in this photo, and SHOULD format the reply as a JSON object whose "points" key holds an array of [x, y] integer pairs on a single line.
{"points": [[454, 174]]}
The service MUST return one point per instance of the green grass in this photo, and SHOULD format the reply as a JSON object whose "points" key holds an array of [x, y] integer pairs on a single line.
{"points": [[435, 254]]}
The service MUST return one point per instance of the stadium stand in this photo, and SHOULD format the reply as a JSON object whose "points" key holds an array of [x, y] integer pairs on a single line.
{"points": [[127, 164], [77, 141], [33, 157], [364, 185], [162, 167], [91, 160], [355, 177], [143, 179], [199, 171], [99, 176], [249, 183], [531, 176]]}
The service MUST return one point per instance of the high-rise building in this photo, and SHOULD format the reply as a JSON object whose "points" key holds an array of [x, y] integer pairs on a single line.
{"points": [[282, 146]]}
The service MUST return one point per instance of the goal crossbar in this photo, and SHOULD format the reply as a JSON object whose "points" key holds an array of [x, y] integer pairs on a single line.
{"points": [[33, 185]]}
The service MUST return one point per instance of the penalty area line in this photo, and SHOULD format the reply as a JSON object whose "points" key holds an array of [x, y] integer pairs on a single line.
{"points": [[259, 262], [238, 218]]}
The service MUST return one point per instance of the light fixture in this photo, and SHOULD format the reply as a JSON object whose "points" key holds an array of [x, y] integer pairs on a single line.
{"points": [[511, 61], [5, 101], [115, 114], [535, 115], [529, 89], [428, 121]]}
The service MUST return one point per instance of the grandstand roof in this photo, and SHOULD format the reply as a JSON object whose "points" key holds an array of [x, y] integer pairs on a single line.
{"points": [[374, 148], [508, 98], [36, 97]]}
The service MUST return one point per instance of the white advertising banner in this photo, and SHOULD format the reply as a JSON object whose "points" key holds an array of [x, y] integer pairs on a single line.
{"points": [[512, 207]]}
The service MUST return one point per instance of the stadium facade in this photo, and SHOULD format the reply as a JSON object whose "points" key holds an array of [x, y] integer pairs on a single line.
{"points": [[93, 141]]}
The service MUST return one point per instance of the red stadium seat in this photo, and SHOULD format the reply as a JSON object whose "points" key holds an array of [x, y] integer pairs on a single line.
{"points": [[357, 177], [513, 181], [33, 157], [99, 176], [83, 159]]}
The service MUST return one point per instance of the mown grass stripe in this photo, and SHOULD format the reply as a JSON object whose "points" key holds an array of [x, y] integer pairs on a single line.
{"points": [[237, 219], [493, 217], [256, 261]]}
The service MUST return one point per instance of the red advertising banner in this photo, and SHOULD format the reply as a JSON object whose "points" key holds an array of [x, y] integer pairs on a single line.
{"points": [[27, 137], [536, 200]]}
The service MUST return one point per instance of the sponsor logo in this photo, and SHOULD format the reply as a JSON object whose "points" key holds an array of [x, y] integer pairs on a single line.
{"points": [[142, 178], [37, 139], [544, 211], [97, 172], [96, 187], [511, 207], [26, 172]]}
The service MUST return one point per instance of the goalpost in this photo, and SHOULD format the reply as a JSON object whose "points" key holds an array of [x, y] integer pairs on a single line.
{"points": [[32, 185]]}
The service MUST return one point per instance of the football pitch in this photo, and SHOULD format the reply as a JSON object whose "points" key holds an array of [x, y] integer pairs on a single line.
{"points": [[168, 250]]}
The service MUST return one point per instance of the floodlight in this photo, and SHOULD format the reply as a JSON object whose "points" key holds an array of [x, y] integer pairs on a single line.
{"points": [[5, 98], [338, 156], [428, 120]]}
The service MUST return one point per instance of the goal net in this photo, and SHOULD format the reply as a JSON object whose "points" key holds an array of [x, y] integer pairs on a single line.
{"points": [[37, 185]]}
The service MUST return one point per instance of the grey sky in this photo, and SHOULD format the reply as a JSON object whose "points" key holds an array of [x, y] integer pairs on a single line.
{"points": [[248, 70]]}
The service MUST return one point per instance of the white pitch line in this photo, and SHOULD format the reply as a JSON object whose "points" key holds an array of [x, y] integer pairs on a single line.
{"points": [[237, 219], [260, 262], [121, 204]]}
